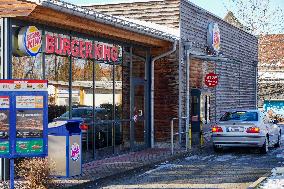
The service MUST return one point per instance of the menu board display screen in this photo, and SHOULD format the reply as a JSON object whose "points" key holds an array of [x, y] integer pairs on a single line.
{"points": [[4, 124], [23, 118], [29, 147], [4, 102], [29, 123], [29, 102]]}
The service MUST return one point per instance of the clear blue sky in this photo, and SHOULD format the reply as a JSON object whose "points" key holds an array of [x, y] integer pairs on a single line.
{"points": [[215, 6]]}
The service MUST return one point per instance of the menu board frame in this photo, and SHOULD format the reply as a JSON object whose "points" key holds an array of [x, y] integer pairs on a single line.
{"points": [[25, 146]]}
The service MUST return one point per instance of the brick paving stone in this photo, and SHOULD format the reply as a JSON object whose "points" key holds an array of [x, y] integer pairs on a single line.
{"points": [[111, 166]]}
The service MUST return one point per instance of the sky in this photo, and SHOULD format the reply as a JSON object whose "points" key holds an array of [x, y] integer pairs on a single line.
{"points": [[217, 7]]}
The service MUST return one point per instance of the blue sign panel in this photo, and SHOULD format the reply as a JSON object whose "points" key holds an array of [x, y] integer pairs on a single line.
{"points": [[274, 107], [23, 118]]}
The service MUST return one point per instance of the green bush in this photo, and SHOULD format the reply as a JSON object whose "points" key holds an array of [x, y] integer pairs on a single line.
{"points": [[55, 111]]}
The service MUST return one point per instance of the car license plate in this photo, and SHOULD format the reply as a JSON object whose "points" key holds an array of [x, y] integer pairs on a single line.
{"points": [[235, 129]]}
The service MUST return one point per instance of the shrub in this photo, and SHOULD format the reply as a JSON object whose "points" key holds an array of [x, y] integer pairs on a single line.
{"points": [[55, 111], [36, 173]]}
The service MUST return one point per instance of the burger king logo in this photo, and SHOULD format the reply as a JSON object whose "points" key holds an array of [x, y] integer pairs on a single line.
{"points": [[29, 40], [214, 38], [75, 152]]}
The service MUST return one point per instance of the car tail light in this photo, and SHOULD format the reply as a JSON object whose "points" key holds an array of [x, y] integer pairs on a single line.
{"points": [[253, 130], [217, 129], [84, 127]]}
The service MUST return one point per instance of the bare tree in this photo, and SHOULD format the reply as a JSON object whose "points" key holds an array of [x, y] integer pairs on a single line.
{"points": [[264, 20], [258, 17]]}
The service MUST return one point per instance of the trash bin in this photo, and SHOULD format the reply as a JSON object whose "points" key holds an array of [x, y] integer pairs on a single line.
{"points": [[65, 148]]}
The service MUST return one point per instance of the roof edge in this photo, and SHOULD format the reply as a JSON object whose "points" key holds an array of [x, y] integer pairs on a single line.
{"points": [[87, 13]]}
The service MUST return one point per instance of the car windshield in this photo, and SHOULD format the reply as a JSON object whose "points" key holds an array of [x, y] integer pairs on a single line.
{"points": [[240, 116], [78, 113]]}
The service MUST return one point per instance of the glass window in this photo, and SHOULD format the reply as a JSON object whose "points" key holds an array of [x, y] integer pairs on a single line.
{"points": [[57, 73], [240, 116], [100, 77]]}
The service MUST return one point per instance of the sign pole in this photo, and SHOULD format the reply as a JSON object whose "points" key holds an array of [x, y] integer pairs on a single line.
{"points": [[12, 173]]}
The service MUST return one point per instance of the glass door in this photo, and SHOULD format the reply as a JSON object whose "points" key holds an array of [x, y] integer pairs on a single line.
{"points": [[139, 129]]}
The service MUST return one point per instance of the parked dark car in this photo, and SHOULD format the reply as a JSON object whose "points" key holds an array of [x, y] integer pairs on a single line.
{"points": [[103, 126]]}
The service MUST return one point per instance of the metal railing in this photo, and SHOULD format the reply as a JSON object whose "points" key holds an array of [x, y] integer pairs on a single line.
{"points": [[187, 132]]}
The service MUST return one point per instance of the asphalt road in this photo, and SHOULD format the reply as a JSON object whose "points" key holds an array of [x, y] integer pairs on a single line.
{"points": [[233, 168]]}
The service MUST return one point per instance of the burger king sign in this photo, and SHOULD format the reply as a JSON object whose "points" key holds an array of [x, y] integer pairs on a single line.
{"points": [[214, 38], [29, 40]]}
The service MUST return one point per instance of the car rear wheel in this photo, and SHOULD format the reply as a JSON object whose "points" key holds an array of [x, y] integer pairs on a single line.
{"points": [[217, 149], [278, 144], [264, 148]]}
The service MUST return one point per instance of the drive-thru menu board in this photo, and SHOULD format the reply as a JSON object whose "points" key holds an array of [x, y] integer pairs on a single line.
{"points": [[23, 118]]}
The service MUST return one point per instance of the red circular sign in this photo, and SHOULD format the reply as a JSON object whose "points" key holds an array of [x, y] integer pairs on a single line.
{"points": [[211, 80]]}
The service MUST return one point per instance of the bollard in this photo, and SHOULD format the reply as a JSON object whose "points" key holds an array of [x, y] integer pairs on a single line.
{"points": [[190, 136], [201, 135]]}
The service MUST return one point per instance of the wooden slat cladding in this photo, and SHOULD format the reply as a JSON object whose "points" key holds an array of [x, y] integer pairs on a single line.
{"points": [[13, 8], [198, 70], [160, 12], [71, 22], [237, 80]]}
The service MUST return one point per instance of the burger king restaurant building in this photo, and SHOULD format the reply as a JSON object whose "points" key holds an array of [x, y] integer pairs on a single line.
{"points": [[127, 79]]}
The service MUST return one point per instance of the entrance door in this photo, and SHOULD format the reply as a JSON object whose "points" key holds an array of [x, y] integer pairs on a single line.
{"points": [[138, 125], [195, 110], [200, 113]]}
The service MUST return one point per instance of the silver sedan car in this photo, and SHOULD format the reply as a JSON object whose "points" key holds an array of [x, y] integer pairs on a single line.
{"points": [[250, 128]]}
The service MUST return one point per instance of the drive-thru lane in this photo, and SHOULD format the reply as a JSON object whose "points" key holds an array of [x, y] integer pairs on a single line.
{"points": [[233, 168]]}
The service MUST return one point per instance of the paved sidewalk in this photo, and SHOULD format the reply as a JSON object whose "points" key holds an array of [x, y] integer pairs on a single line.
{"points": [[96, 170]]}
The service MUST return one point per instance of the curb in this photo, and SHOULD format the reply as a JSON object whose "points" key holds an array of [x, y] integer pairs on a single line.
{"points": [[121, 174], [258, 181]]}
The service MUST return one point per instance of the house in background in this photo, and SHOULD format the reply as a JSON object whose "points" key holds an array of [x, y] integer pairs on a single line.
{"points": [[271, 74]]}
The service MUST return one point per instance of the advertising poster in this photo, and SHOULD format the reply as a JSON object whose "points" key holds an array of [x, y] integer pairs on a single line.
{"points": [[4, 102], [23, 85], [29, 147], [29, 102], [4, 124], [4, 147], [23, 118], [4, 132], [29, 123]]}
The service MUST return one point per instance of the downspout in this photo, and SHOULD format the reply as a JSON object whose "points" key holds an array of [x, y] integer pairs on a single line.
{"points": [[256, 84], [152, 87]]}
